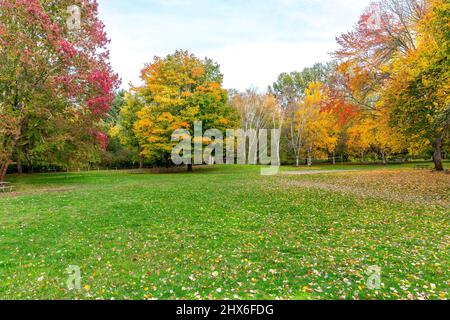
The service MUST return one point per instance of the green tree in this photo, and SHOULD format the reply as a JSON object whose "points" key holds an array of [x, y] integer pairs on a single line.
{"points": [[116, 106], [124, 128]]}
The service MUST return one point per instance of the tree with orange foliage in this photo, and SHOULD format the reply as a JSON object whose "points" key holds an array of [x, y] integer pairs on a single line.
{"points": [[395, 63], [385, 30], [374, 133], [179, 90]]}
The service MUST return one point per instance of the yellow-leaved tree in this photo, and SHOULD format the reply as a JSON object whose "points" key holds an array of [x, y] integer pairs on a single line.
{"points": [[418, 90], [314, 129], [179, 90], [373, 132]]}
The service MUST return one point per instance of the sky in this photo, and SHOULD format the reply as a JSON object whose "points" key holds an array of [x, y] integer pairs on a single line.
{"points": [[253, 41]]}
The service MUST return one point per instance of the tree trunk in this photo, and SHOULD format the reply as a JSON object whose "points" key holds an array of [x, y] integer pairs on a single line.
{"points": [[4, 169], [297, 161], [437, 156], [19, 166], [141, 158], [190, 168], [383, 156], [30, 166], [334, 158], [309, 160]]}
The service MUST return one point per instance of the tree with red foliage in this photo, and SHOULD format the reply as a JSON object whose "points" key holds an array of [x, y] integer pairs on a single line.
{"points": [[56, 83], [383, 30], [396, 65], [386, 29]]}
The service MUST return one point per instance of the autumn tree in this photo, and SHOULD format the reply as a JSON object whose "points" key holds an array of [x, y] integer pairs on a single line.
{"points": [[386, 28], [395, 63], [419, 87], [55, 81], [179, 90], [374, 133], [289, 90], [290, 87], [313, 128]]}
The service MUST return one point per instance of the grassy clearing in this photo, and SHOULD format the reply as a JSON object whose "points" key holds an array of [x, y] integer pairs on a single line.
{"points": [[227, 232]]}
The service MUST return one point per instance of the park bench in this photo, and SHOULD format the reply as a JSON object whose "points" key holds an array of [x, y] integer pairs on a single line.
{"points": [[6, 187]]}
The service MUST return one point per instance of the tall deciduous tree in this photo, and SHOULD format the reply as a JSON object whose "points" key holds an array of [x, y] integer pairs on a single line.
{"points": [[386, 29], [289, 90], [419, 89], [397, 59], [179, 90], [55, 84]]}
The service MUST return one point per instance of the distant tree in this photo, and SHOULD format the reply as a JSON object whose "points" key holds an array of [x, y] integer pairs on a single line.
{"points": [[289, 90], [290, 87], [257, 111], [313, 128], [124, 129]]}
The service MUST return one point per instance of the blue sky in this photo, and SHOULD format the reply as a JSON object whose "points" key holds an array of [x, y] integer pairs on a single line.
{"points": [[253, 41]]}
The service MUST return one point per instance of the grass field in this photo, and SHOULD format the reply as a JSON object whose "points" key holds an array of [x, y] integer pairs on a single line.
{"points": [[227, 232]]}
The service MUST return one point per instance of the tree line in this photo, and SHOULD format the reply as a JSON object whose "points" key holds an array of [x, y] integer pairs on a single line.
{"points": [[384, 95]]}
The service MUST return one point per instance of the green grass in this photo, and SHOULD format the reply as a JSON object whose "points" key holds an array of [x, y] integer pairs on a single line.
{"points": [[224, 232]]}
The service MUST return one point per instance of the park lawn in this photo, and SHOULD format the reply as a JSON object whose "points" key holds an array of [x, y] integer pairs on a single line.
{"points": [[227, 232]]}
